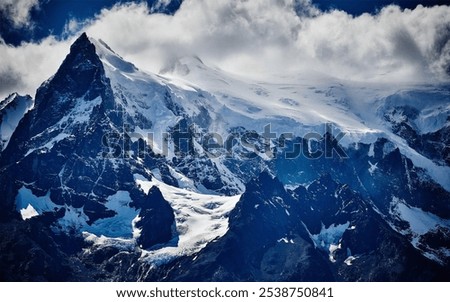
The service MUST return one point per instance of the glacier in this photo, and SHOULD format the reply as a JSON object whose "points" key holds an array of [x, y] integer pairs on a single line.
{"points": [[185, 175]]}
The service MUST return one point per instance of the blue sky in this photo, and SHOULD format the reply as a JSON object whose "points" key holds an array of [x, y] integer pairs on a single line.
{"points": [[361, 6], [50, 16]]}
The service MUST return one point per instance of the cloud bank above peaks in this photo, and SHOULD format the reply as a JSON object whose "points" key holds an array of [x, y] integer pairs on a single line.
{"points": [[262, 37]]}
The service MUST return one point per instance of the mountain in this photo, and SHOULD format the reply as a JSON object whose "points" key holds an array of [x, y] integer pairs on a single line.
{"points": [[195, 174], [12, 110]]}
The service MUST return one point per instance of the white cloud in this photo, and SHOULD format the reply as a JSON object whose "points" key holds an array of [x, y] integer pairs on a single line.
{"points": [[24, 68], [259, 37], [262, 36], [160, 4], [18, 11], [219, 32], [392, 45]]}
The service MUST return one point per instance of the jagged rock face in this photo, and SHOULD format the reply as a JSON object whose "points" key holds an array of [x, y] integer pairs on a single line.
{"points": [[121, 171], [325, 232], [424, 130], [360, 243], [60, 153], [156, 220], [63, 130], [266, 241], [30, 253], [81, 75]]}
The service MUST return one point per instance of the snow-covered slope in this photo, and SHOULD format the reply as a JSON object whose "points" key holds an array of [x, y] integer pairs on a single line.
{"points": [[304, 104], [290, 104], [12, 110], [150, 168], [297, 105], [200, 219]]}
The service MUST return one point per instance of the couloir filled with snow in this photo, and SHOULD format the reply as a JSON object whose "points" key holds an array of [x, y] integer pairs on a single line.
{"points": [[200, 218]]}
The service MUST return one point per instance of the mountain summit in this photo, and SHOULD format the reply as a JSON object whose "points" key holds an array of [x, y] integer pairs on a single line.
{"points": [[113, 173]]}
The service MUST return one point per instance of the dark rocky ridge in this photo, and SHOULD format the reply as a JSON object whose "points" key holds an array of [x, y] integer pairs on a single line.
{"points": [[274, 234]]}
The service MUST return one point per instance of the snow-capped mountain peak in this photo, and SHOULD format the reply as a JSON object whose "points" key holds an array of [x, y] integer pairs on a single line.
{"points": [[197, 173], [12, 110]]}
